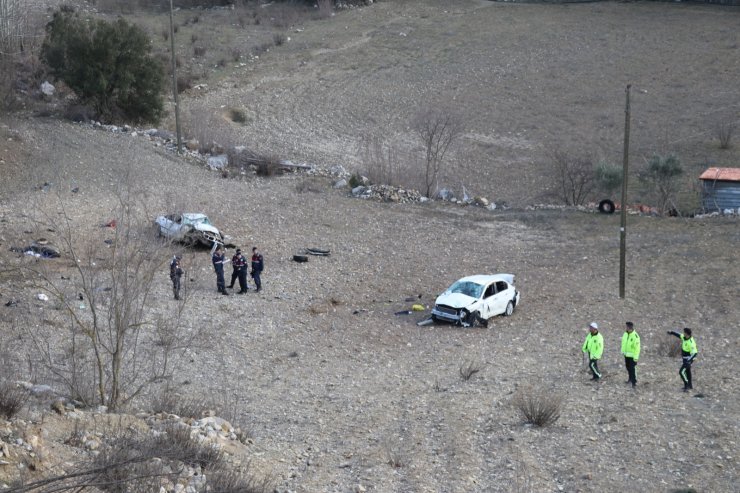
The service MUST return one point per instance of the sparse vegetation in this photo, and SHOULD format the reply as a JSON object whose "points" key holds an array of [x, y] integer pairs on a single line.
{"points": [[538, 407], [724, 130], [661, 176], [669, 346], [468, 369], [12, 399], [128, 87]]}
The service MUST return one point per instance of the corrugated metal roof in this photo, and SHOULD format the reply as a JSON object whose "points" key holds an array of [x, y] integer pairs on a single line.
{"points": [[722, 174]]}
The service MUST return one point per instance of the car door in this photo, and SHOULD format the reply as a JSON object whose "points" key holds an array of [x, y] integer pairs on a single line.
{"points": [[171, 225], [499, 300], [489, 301]]}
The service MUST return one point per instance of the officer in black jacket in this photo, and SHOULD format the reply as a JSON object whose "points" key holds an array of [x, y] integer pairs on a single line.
{"points": [[239, 263], [258, 264], [219, 259], [175, 275]]}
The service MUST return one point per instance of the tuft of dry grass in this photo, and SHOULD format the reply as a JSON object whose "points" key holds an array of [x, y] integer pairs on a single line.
{"points": [[538, 407], [468, 369]]}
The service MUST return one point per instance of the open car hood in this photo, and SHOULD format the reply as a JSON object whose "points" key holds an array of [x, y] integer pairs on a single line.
{"points": [[455, 300]]}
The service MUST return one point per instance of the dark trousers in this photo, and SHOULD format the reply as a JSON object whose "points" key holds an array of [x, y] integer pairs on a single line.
{"points": [[256, 277], [220, 282], [242, 274], [176, 287], [630, 364], [234, 275], [593, 365], [685, 373]]}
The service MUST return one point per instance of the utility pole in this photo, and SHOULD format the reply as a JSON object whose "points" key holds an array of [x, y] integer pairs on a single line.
{"points": [[625, 166], [174, 82]]}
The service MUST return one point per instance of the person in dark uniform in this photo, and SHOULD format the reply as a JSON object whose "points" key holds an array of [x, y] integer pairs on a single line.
{"points": [[175, 275], [239, 263], [688, 354], [258, 264], [219, 259]]}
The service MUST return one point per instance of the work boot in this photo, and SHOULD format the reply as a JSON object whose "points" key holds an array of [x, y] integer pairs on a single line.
{"points": [[224, 293]]}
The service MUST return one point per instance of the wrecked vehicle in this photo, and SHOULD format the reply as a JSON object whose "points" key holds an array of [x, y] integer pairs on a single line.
{"points": [[191, 228], [475, 299]]}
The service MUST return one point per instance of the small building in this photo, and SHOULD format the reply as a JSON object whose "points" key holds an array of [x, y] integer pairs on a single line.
{"points": [[720, 189]]}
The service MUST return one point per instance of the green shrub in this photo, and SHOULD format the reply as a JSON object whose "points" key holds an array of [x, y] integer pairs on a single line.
{"points": [[355, 180], [608, 177], [108, 65]]}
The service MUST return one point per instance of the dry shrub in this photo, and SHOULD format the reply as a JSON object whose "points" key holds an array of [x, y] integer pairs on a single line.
{"points": [[395, 455], [538, 407], [12, 399], [268, 167], [170, 402], [185, 82], [669, 346], [279, 38], [199, 51], [468, 369], [724, 130]]}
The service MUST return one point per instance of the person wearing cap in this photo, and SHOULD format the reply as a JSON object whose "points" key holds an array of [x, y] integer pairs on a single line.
{"points": [[631, 351], [175, 275], [219, 259], [239, 263], [688, 354], [594, 347]]}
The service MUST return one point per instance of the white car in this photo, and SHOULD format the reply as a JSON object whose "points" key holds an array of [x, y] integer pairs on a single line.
{"points": [[475, 299], [190, 228]]}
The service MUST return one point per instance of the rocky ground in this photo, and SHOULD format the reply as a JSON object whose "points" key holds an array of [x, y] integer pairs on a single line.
{"points": [[340, 394]]}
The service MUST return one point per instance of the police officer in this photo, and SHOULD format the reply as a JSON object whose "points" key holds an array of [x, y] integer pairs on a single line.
{"points": [[175, 275], [688, 354], [219, 259], [239, 263], [631, 351], [594, 347], [258, 264]]}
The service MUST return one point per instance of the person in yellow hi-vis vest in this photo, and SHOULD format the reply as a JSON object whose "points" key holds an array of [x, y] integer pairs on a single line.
{"points": [[594, 347], [688, 354], [631, 351]]}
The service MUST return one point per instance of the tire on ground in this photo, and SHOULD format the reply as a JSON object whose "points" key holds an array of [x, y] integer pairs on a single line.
{"points": [[606, 206]]}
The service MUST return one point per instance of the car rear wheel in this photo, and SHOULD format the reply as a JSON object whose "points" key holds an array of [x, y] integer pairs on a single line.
{"points": [[509, 309]]}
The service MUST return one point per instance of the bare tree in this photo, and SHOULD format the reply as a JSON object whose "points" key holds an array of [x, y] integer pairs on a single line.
{"points": [[438, 129], [380, 160], [575, 175], [118, 344]]}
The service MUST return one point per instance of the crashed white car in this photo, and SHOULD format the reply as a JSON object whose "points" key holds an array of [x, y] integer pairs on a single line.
{"points": [[475, 299], [190, 228]]}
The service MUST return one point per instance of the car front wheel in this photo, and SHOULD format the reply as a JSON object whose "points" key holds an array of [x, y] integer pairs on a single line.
{"points": [[509, 309]]}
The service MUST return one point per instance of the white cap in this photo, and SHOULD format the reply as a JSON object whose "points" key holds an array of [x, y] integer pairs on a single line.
{"points": [[594, 325]]}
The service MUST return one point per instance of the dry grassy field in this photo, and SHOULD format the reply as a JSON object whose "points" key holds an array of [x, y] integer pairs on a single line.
{"points": [[338, 392]]}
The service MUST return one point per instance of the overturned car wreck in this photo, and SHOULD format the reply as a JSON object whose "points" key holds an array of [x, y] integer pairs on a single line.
{"points": [[191, 229]]}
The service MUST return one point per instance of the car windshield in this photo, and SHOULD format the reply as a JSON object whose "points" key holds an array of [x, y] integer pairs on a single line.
{"points": [[467, 288], [196, 220]]}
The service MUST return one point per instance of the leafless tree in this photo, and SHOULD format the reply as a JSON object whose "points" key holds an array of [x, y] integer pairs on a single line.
{"points": [[380, 160], [575, 176], [438, 129], [118, 343]]}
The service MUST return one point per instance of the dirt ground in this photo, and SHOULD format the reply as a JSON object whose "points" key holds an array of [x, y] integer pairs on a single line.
{"points": [[341, 393]]}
